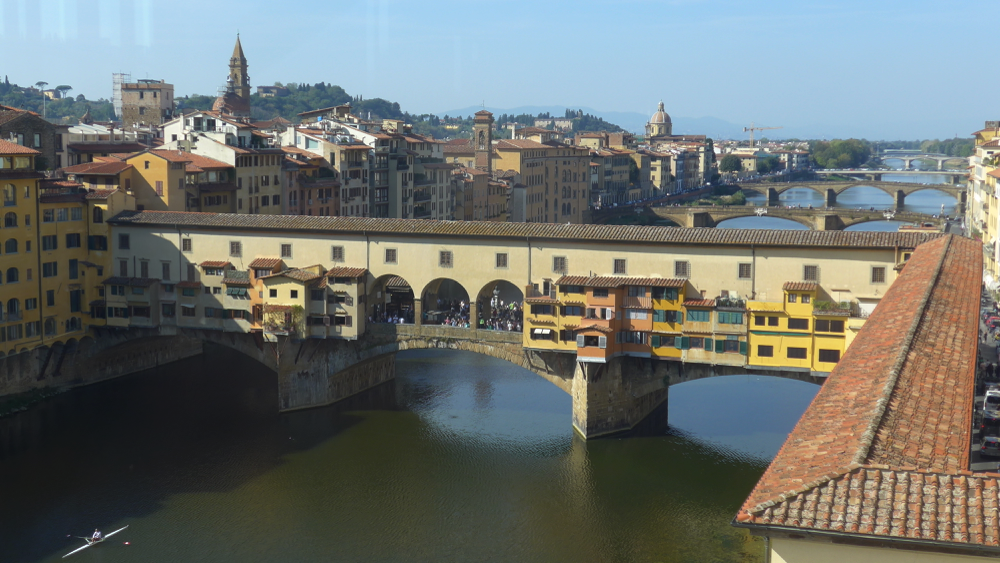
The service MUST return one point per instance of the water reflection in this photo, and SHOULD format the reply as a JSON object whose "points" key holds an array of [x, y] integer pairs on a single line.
{"points": [[764, 222], [929, 201], [462, 458]]}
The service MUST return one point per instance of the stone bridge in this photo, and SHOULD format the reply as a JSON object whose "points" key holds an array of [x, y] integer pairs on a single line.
{"points": [[909, 157], [816, 219], [607, 398], [830, 191], [957, 176]]}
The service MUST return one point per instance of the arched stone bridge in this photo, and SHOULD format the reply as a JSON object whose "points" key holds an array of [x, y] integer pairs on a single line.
{"points": [[830, 191], [816, 219]]}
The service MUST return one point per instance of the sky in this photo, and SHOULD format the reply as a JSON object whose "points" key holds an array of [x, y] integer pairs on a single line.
{"points": [[879, 69]]}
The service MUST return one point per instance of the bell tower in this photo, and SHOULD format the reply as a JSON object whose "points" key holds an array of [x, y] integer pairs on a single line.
{"points": [[482, 141], [239, 80]]}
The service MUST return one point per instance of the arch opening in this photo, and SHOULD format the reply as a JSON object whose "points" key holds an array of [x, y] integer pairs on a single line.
{"points": [[391, 300], [445, 302], [499, 307]]}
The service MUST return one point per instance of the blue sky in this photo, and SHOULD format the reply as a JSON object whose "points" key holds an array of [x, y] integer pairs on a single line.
{"points": [[876, 69]]}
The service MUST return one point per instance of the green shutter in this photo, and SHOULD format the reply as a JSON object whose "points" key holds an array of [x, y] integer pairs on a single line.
{"points": [[720, 346], [655, 341], [677, 342], [685, 342], [743, 348], [708, 344]]}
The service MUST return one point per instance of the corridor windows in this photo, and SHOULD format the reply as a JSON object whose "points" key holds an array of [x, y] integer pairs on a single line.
{"points": [[798, 324], [682, 269], [390, 255], [619, 267], [559, 265], [337, 253], [445, 259], [796, 353], [501, 260], [765, 351], [878, 274], [810, 273], [744, 271], [829, 356], [824, 325]]}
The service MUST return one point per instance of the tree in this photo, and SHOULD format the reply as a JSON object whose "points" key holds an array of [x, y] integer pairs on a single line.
{"points": [[63, 89], [840, 153], [730, 163], [767, 164]]}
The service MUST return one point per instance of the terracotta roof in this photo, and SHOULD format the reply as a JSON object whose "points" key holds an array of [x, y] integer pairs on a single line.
{"points": [[345, 272], [517, 144], [197, 162], [265, 263], [297, 274], [215, 264], [397, 282], [623, 234], [699, 302], [98, 168], [599, 328], [800, 286], [615, 281], [236, 277], [637, 302], [7, 147], [883, 450]]}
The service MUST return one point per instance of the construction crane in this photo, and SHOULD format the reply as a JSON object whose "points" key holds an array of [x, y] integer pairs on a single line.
{"points": [[751, 129]]}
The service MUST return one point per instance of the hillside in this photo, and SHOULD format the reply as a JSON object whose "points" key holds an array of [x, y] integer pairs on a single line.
{"points": [[68, 109]]}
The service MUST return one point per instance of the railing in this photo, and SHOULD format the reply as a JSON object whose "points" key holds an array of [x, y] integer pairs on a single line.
{"points": [[419, 197], [421, 213], [11, 317], [730, 303]]}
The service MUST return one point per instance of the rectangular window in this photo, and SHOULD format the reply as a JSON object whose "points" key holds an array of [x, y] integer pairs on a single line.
{"points": [[50, 298], [144, 269], [337, 253], [165, 267], [600, 292], [759, 320], [636, 291], [792, 297], [444, 259], [541, 309], [159, 187], [810, 273], [50, 269], [829, 356], [75, 214], [796, 353], [560, 265], [62, 214], [123, 242], [123, 268], [168, 310], [798, 324], [620, 266], [317, 294], [636, 314], [272, 293], [878, 274], [390, 255], [697, 316], [187, 291], [235, 248], [50, 242], [74, 269], [772, 321], [730, 318], [186, 245], [765, 351], [188, 310], [73, 240], [48, 216], [501, 260], [825, 325], [572, 311], [682, 269], [744, 271], [806, 298]]}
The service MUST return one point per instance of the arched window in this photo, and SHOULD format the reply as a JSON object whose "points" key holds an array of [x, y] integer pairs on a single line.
{"points": [[50, 327], [12, 275], [10, 247], [73, 324], [13, 306], [9, 195], [98, 215], [10, 219]]}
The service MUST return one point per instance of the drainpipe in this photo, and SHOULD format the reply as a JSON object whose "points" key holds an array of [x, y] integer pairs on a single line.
{"points": [[767, 549], [528, 241], [753, 273]]}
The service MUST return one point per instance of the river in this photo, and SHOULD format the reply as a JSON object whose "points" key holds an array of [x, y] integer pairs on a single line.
{"points": [[461, 458]]}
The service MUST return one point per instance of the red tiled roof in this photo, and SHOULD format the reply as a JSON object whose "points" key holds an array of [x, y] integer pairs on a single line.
{"points": [[98, 168], [615, 281], [297, 274], [699, 302], [345, 272], [7, 147], [883, 450], [397, 282], [637, 303], [214, 264], [800, 286], [265, 263], [599, 328]]}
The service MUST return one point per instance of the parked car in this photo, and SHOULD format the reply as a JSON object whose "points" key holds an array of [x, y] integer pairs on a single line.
{"points": [[990, 447]]}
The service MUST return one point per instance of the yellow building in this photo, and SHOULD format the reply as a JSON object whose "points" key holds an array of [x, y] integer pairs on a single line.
{"points": [[983, 210], [803, 331], [21, 315], [159, 183]]}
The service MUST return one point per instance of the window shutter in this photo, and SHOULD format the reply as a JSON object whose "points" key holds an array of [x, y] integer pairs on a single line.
{"points": [[720, 346], [743, 348], [349, 320], [602, 342], [677, 342], [685, 342], [579, 341], [655, 341], [708, 344]]}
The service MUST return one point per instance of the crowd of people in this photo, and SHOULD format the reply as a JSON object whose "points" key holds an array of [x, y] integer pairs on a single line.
{"points": [[495, 314], [398, 316], [451, 313], [498, 315]]}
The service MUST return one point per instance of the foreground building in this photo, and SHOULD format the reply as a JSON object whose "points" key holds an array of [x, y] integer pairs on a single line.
{"points": [[983, 213], [877, 469]]}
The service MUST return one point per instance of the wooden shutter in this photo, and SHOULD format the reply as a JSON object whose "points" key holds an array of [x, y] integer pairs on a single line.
{"points": [[685, 342], [743, 348], [602, 342], [708, 344], [655, 341], [579, 341]]}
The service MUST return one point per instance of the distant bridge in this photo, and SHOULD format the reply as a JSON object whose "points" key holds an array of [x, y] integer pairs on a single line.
{"points": [[955, 175], [816, 219], [830, 191], [908, 156]]}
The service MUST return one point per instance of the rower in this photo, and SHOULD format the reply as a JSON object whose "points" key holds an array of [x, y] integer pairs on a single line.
{"points": [[96, 536]]}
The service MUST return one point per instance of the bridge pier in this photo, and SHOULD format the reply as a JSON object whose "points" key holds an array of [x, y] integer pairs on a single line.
{"points": [[831, 198], [900, 199], [829, 222], [418, 311], [773, 199], [616, 396], [940, 164], [700, 219]]}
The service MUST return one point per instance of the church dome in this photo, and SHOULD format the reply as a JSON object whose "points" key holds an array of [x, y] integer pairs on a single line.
{"points": [[660, 116]]}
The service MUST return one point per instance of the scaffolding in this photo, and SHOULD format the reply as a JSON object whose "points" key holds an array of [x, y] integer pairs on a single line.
{"points": [[117, 80]]}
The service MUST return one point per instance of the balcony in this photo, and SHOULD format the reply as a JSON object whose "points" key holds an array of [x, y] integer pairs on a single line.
{"points": [[11, 317], [419, 197], [421, 213], [402, 166], [730, 303]]}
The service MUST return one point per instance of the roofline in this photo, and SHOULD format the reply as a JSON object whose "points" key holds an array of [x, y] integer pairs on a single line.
{"points": [[120, 219]]}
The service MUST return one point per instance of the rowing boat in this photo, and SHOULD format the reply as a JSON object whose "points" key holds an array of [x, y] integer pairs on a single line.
{"points": [[91, 542]]}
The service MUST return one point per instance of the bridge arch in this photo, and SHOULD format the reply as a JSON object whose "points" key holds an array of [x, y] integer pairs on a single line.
{"points": [[821, 191], [391, 299], [803, 220], [444, 300], [494, 303]]}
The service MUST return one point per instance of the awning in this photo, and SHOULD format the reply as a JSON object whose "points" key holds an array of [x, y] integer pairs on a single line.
{"points": [[236, 291], [542, 331]]}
